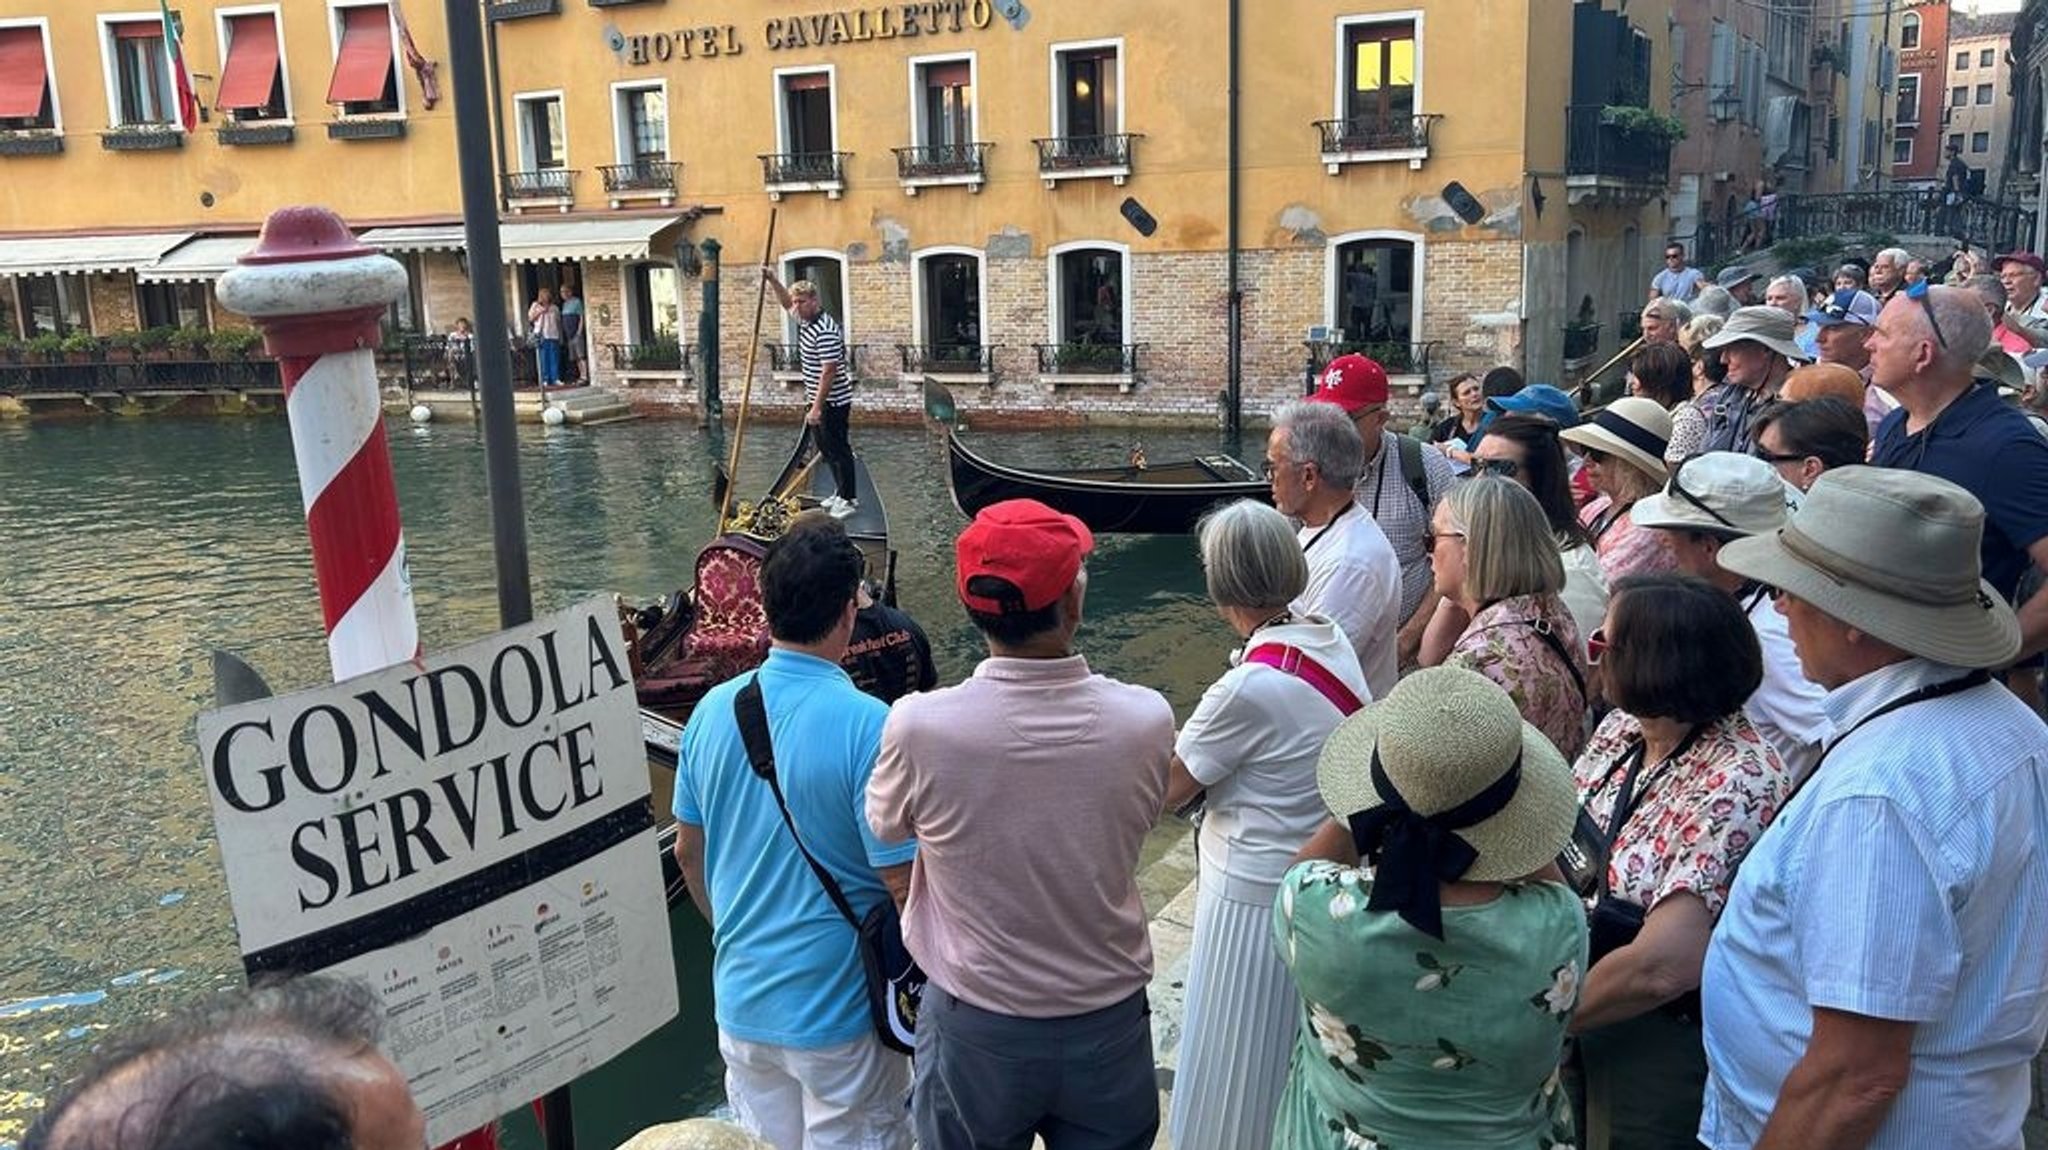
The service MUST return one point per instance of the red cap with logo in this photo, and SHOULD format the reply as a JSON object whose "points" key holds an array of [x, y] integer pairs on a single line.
{"points": [[1352, 382], [1026, 545]]}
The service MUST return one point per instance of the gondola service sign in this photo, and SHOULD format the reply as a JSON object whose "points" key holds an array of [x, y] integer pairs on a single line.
{"points": [[470, 835]]}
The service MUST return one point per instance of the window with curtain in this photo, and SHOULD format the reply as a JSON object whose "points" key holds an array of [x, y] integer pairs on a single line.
{"points": [[1091, 296], [643, 122], [24, 81], [142, 75], [1088, 83], [251, 80], [1380, 62], [52, 305], [172, 305], [946, 119], [807, 113]]}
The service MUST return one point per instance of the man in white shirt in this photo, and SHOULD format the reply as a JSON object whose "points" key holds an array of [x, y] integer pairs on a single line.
{"points": [[1678, 280], [1879, 978], [1710, 500], [1313, 458]]}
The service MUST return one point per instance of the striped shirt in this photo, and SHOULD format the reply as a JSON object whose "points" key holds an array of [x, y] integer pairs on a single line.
{"points": [[819, 343], [1907, 881]]}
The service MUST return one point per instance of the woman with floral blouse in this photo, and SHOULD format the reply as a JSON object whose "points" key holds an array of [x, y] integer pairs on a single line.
{"points": [[1433, 1007], [1681, 785], [1493, 553]]}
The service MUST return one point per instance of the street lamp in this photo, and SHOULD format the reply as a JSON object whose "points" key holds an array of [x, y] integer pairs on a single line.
{"points": [[1726, 104]]}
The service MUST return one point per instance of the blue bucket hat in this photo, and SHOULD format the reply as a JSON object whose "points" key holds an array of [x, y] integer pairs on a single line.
{"points": [[1540, 399]]}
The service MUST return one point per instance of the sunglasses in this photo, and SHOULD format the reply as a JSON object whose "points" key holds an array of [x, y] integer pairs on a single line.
{"points": [[1429, 540], [1778, 456], [1918, 292], [1674, 487], [1596, 646], [1592, 454], [1505, 468]]}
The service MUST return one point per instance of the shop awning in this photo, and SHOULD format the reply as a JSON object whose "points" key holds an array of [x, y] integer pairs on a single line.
{"points": [[364, 63], [538, 241], [251, 69], [21, 73], [197, 261], [64, 255]]}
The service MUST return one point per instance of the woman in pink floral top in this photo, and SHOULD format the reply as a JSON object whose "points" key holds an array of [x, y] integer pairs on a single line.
{"points": [[1495, 557], [1682, 785], [1623, 446]]}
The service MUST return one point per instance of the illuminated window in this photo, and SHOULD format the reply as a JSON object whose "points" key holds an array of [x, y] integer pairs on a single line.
{"points": [[1089, 87], [1380, 59]]}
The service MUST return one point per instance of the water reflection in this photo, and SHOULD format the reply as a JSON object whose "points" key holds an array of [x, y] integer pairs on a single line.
{"points": [[129, 548]]}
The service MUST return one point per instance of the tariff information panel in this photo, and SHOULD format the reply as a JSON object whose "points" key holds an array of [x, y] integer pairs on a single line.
{"points": [[470, 836]]}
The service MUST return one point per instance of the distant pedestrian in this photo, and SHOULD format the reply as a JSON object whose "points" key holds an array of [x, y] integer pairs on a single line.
{"points": [[544, 319], [1030, 788], [575, 340], [1251, 747], [828, 387], [461, 353], [1678, 279]]}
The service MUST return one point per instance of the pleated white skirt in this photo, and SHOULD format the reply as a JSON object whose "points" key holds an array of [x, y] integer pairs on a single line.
{"points": [[1241, 1018]]}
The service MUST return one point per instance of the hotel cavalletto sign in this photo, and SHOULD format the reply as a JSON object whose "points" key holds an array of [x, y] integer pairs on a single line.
{"points": [[813, 30]]}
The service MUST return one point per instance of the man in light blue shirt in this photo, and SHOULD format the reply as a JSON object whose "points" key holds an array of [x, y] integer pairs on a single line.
{"points": [[804, 1069], [1880, 975], [1678, 280]]}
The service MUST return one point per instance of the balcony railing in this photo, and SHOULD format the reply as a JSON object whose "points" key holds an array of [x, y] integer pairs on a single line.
{"points": [[514, 9], [1381, 133], [2000, 227], [1396, 357], [543, 184], [942, 161], [27, 375], [656, 355], [379, 128], [1087, 358], [947, 358], [1607, 151], [783, 358], [782, 168], [32, 142], [1076, 154], [640, 176], [253, 132], [142, 138]]}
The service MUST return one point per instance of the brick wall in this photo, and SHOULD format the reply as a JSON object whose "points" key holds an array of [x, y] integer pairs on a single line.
{"points": [[444, 292], [112, 299]]}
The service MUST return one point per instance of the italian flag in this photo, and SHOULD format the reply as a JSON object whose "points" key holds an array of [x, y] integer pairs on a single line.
{"points": [[181, 77]]}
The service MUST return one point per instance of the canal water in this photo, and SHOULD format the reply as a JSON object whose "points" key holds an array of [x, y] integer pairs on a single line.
{"points": [[130, 548]]}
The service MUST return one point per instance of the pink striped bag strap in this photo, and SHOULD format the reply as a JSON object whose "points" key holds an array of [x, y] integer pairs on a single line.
{"points": [[1296, 662]]}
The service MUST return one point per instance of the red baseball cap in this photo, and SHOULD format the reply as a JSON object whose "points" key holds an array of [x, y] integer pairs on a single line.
{"points": [[1025, 543], [1352, 382], [2028, 259]]}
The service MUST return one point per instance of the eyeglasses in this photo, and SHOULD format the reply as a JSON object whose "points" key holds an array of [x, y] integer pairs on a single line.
{"points": [[1918, 292], [1267, 467], [1505, 468], [1596, 646], [1674, 487], [1429, 540]]}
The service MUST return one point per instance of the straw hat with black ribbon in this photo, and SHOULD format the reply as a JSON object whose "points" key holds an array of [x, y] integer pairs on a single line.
{"points": [[1633, 427], [1894, 554], [1441, 781]]}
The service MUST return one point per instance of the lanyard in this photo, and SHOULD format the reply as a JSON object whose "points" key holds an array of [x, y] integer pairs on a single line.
{"points": [[1318, 536], [1932, 691]]}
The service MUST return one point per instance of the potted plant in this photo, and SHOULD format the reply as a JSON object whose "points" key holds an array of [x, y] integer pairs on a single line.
{"points": [[125, 346], [1088, 357], [83, 347], [188, 343], [10, 348], [155, 343], [233, 343], [1643, 125], [46, 347]]}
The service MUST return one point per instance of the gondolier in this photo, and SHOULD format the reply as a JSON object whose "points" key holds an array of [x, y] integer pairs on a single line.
{"points": [[828, 387]]}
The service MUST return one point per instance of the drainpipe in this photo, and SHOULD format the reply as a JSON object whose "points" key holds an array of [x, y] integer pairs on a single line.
{"points": [[497, 109], [1234, 321]]}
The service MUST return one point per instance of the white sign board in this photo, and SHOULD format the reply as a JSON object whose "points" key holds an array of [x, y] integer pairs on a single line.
{"points": [[470, 836]]}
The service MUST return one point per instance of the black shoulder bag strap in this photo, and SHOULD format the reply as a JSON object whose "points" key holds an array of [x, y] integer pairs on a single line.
{"points": [[753, 719], [1631, 796], [1544, 632], [1932, 691], [1409, 454]]}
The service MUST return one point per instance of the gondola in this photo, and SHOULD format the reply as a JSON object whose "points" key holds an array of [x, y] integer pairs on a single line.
{"points": [[695, 639], [1136, 498]]}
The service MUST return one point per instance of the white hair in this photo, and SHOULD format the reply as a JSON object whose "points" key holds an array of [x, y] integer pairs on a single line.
{"points": [[1797, 285], [1897, 256]]}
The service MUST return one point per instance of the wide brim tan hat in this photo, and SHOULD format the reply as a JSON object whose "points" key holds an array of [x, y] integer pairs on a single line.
{"points": [[1444, 734], [1894, 554], [1634, 428], [1760, 323]]}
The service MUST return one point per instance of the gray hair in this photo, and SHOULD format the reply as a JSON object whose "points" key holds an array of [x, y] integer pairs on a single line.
{"points": [[1854, 272], [1322, 434], [1896, 256], [1696, 331], [1666, 308], [1988, 289], [1250, 556], [1509, 547], [1714, 300], [1964, 324], [1797, 285]]}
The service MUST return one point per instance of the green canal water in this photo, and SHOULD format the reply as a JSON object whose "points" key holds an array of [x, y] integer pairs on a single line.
{"points": [[130, 548]]}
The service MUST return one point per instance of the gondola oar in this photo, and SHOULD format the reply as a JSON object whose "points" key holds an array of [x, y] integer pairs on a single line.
{"points": [[739, 433]]}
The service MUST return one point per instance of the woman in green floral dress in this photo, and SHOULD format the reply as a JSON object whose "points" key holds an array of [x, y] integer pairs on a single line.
{"points": [[1434, 1012]]}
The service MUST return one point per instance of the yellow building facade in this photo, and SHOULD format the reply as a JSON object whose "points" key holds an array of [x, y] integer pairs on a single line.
{"points": [[1036, 205]]}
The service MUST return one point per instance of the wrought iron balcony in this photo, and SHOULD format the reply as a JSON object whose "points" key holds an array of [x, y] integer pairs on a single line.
{"points": [[1599, 154], [253, 132], [948, 358], [142, 138], [1087, 358], [1581, 341], [1396, 357], [1062, 157], [543, 184], [958, 162], [655, 355], [1376, 137], [783, 358], [657, 176], [380, 128], [515, 9], [804, 171], [36, 142]]}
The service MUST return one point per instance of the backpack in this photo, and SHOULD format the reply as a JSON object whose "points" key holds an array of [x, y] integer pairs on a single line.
{"points": [[1410, 454]]}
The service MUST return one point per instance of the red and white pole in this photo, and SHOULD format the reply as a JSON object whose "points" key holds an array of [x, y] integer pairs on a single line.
{"points": [[317, 295]]}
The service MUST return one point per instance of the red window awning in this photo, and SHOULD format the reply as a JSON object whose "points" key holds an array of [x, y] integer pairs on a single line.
{"points": [[952, 74], [251, 70], [364, 62], [807, 81], [22, 77], [139, 30]]}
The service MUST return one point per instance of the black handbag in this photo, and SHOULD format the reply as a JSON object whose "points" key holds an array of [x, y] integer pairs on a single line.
{"points": [[895, 983]]}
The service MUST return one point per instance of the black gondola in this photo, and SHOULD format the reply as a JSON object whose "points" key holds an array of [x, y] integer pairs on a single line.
{"points": [[1136, 498]]}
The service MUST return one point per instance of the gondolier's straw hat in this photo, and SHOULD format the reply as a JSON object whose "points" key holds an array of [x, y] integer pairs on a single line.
{"points": [[1634, 428], [1894, 554]]}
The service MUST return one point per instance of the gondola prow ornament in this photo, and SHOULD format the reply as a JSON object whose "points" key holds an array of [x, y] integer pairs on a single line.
{"points": [[318, 296]]}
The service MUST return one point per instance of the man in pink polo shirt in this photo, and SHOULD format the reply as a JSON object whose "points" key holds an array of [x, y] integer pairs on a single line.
{"points": [[1029, 788]]}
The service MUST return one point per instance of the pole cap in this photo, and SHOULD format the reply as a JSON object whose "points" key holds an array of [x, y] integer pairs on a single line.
{"points": [[305, 234]]}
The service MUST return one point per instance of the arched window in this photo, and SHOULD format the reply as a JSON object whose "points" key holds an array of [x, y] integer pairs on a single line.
{"points": [[1375, 287], [828, 271], [1909, 31], [1090, 292], [950, 323]]}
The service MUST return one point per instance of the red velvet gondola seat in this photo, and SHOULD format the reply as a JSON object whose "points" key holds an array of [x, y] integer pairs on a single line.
{"points": [[728, 632]]}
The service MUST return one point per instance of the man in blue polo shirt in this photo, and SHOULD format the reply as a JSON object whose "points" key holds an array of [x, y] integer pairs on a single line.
{"points": [[1923, 351], [804, 1069]]}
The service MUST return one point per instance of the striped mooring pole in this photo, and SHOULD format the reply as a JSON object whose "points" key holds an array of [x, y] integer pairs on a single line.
{"points": [[318, 296]]}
